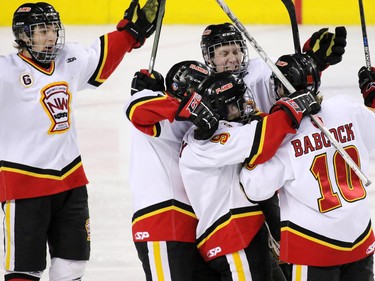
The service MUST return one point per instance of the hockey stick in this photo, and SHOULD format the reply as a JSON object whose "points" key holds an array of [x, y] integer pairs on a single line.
{"points": [[289, 5], [157, 36], [291, 89], [364, 35]]}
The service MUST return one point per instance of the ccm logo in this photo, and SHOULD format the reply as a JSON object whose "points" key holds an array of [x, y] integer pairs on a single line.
{"points": [[371, 248], [141, 235], [213, 252]]}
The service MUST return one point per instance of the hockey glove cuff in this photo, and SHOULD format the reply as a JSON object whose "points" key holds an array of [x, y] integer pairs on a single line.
{"points": [[306, 102], [291, 108]]}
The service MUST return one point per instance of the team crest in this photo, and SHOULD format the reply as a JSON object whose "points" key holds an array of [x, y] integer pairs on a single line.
{"points": [[56, 99]]}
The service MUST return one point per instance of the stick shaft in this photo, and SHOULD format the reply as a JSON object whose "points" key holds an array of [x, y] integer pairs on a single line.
{"points": [[364, 35], [293, 22], [155, 45]]}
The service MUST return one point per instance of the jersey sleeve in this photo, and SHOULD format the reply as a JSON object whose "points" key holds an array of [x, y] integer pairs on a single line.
{"points": [[270, 133], [260, 182], [234, 143], [113, 47], [146, 109], [99, 61]]}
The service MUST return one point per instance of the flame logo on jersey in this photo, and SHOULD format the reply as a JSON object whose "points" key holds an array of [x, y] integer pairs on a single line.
{"points": [[56, 99], [221, 138]]}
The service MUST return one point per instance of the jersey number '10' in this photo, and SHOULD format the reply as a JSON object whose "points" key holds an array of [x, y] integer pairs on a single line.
{"points": [[348, 183]]}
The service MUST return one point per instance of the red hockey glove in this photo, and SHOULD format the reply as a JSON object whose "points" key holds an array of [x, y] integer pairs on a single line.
{"points": [[366, 83], [144, 80], [291, 108], [140, 22], [326, 48], [297, 105], [195, 109]]}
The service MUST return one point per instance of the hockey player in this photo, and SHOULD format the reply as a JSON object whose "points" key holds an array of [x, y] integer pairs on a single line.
{"points": [[164, 222], [230, 234], [326, 231], [224, 49], [43, 183]]}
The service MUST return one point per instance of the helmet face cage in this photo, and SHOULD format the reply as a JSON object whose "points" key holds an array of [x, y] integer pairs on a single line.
{"points": [[301, 71], [226, 36], [218, 57], [229, 96], [33, 25], [185, 77]]}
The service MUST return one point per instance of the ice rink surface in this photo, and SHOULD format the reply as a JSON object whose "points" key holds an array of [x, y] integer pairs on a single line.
{"points": [[103, 128]]}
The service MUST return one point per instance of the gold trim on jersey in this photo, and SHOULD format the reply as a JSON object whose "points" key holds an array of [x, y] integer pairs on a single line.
{"points": [[103, 59], [325, 243], [227, 222], [48, 71], [134, 105], [162, 210], [261, 141], [41, 173]]}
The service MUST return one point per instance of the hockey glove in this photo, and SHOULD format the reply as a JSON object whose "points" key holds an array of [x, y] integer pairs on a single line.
{"points": [[306, 102], [144, 80], [326, 48], [297, 105], [291, 108], [195, 109], [140, 22], [367, 85]]}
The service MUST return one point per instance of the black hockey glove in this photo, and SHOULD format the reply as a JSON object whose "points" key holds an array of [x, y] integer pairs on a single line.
{"points": [[306, 102], [144, 80], [326, 48], [367, 85], [140, 22], [195, 109]]}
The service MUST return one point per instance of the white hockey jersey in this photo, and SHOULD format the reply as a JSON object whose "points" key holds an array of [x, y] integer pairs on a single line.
{"points": [[324, 210], [258, 81], [210, 172], [38, 141], [162, 211]]}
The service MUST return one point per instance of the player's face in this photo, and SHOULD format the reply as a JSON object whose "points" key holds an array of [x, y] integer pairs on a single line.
{"points": [[233, 112], [241, 108], [44, 37], [227, 57]]}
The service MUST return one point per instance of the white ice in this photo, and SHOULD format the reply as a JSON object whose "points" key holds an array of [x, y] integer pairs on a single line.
{"points": [[103, 128]]}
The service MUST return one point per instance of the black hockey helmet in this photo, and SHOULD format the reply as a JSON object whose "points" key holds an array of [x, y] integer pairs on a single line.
{"points": [[229, 96], [185, 75], [218, 35], [301, 71], [30, 15]]}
